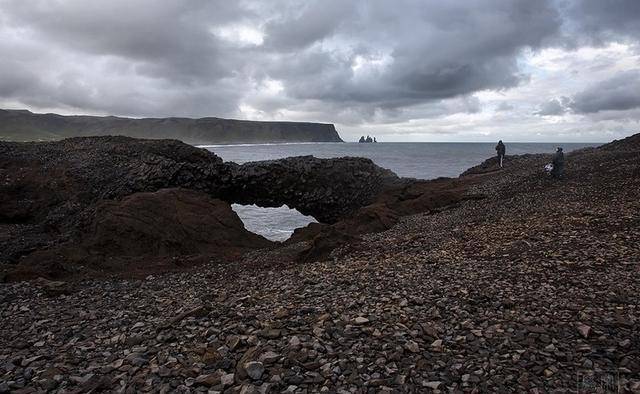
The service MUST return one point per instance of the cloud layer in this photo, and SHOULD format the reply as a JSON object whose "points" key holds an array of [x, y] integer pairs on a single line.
{"points": [[619, 93], [402, 64]]}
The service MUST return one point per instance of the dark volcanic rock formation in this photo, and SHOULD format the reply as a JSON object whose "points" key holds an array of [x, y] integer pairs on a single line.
{"points": [[47, 190], [52, 194], [404, 198], [40, 177], [533, 289], [629, 144], [141, 231], [22, 125], [167, 222], [325, 189]]}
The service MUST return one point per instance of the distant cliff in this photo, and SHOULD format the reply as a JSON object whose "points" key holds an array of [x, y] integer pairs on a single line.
{"points": [[23, 125]]}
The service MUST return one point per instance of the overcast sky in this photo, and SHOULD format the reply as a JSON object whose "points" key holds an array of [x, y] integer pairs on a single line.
{"points": [[403, 70]]}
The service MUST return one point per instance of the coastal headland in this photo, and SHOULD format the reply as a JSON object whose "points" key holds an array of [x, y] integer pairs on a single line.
{"points": [[24, 125], [139, 276]]}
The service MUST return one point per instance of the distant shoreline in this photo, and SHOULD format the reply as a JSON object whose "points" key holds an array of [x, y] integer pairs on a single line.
{"points": [[266, 144], [24, 126], [597, 143]]}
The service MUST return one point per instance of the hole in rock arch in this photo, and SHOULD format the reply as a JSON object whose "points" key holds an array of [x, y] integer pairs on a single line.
{"points": [[276, 224]]}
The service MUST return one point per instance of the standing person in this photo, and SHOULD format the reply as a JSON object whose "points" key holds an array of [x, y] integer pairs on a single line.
{"points": [[501, 150], [558, 164]]}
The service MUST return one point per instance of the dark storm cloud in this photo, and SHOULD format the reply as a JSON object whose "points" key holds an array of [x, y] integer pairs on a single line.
{"points": [[601, 21], [373, 53], [619, 93], [171, 40], [334, 59], [299, 28], [415, 51], [123, 57]]}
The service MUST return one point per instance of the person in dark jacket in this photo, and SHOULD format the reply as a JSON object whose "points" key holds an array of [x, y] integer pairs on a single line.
{"points": [[501, 150], [558, 164]]}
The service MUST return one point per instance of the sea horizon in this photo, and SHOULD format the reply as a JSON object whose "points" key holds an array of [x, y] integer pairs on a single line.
{"points": [[401, 142], [410, 160]]}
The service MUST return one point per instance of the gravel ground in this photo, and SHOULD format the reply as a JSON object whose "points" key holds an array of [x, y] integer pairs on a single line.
{"points": [[533, 289]]}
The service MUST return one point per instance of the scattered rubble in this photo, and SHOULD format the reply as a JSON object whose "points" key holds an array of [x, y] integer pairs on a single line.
{"points": [[522, 291]]}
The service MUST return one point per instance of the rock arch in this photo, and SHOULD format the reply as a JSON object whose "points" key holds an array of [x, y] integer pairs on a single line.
{"points": [[51, 192]]}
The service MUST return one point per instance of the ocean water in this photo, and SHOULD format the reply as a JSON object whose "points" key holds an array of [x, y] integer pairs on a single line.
{"points": [[415, 160]]}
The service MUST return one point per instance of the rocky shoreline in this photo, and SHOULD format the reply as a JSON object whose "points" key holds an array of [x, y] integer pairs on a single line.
{"points": [[53, 196], [500, 281]]}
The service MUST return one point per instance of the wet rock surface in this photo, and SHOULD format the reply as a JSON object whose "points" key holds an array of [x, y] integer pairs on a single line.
{"points": [[524, 290]]}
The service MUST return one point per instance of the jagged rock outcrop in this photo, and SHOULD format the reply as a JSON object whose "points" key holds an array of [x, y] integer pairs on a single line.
{"points": [[325, 189], [407, 197], [142, 230], [67, 175], [167, 222], [47, 189], [23, 125], [52, 193], [40, 177]]}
